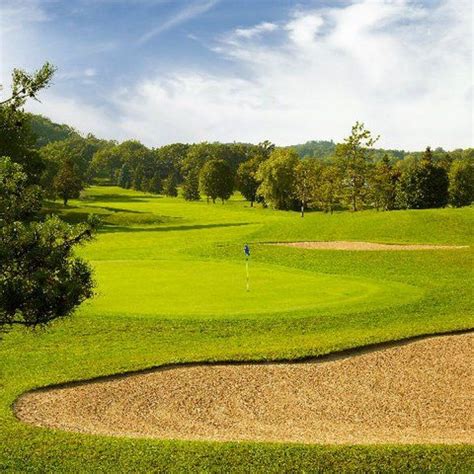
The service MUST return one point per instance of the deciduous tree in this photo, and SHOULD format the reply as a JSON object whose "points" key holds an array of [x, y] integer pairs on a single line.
{"points": [[277, 177], [67, 183], [354, 160], [216, 180]]}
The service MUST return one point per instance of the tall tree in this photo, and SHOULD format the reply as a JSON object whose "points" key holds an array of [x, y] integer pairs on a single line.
{"points": [[216, 180], [277, 177], [354, 160], [67, 183]]}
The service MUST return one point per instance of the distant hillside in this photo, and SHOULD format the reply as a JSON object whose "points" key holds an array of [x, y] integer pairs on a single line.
{"points": [[48, 131], [319, 148], [325, 149]]}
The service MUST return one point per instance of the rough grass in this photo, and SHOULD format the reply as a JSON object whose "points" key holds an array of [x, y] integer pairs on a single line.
{"points": [[100, 341]]}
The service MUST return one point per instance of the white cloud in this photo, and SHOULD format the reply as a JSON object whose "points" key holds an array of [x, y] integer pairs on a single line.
{"points": [[83, 117], [264, 27], [401, 68], [15, 14], [303, 28]]}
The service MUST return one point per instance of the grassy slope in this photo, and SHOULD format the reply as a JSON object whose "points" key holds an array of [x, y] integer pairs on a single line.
{"points": [[147, 230]]}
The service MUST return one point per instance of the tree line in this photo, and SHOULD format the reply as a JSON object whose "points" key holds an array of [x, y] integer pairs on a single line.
{"points": [[354, 175]]}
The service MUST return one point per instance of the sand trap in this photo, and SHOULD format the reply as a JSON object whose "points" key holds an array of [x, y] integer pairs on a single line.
{"points": [[348, 245], [417, 392]]}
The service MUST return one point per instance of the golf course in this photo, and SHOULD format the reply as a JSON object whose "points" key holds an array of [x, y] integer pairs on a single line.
{"points": [[175, 365]]}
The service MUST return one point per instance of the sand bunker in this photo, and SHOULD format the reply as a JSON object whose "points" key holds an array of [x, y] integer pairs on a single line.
{"points": [[417, 392], [348, 245]]}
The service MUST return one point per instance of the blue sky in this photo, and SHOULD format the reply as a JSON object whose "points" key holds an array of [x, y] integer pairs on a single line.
{"points": [[247, 70]]}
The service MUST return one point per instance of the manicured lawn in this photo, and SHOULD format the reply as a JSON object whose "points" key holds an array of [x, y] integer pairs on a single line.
{"points": [[171, 288]]}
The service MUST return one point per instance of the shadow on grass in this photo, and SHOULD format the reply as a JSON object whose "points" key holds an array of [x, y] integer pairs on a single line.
{"points": [[119, 198], [114, 228]]}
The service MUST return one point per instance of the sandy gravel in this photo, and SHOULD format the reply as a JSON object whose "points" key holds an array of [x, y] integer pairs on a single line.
{"points": [[347, 245], [418, 392]]}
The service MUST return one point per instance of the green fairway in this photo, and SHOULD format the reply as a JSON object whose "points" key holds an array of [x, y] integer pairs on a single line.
{"points": [[171, 288]]}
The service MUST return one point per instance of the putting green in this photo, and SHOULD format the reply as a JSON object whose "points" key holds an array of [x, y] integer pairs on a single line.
{"points": [[209, 288]]}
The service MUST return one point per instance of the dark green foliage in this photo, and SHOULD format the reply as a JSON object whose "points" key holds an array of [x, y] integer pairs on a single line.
{"points": [[154, 184], [67, 182], [216, 180], [461, 182], [423, 185], [106, 163], [18, 199], [17, 141], [138, 178], [169, 186], [77, 149], [191, 185], [246, 179], [40, 280], [125, 177]]}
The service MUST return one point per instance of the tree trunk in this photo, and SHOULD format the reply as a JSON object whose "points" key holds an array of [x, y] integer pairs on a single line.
{"points": [[251, 203], [302, 209], [65, 200]]}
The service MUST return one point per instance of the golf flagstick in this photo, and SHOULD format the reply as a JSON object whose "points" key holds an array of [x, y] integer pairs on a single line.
{"points": [[247, 255], [247, 268]]}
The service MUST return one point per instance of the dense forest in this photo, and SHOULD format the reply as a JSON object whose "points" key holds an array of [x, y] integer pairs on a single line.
{"points": [[318, 175]]}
